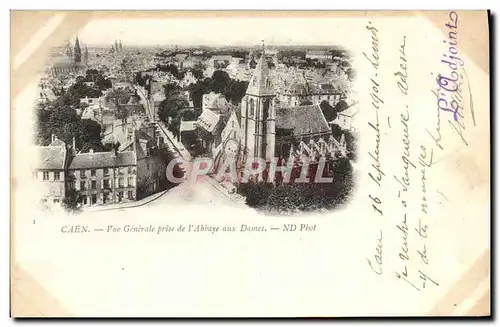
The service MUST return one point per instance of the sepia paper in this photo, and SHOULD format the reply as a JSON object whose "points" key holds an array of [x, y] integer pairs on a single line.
{"points": [[405, 233]]}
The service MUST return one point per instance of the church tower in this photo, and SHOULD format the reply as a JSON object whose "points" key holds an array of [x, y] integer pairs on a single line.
{"points": [[258, 114], [78, 51]]}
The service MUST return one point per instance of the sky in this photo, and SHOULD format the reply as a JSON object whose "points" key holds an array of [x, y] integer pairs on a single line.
{"points": [[210, 31]]}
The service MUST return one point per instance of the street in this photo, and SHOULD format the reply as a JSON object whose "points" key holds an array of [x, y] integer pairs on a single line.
{"points": [[203, 191]]}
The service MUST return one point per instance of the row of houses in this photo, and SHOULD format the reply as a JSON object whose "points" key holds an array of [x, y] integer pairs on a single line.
{"points": [[132, 171]]}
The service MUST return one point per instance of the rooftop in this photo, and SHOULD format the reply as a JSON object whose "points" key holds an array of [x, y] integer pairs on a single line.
{"points": [[103, 160], [302, 120], [51, 157]]}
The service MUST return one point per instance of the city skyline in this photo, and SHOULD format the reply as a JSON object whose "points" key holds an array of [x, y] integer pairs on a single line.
{"points": [[187, 32]]}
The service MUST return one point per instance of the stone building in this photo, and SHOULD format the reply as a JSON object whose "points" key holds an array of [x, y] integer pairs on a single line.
{"points": [[104, 177], [49, 172]]}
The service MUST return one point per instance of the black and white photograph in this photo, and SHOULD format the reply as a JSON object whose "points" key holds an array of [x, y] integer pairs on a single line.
{"points": [[269, 126], [250, 164]]}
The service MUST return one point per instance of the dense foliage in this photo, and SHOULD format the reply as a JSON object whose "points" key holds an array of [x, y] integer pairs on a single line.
{"points": [[289, 198]]}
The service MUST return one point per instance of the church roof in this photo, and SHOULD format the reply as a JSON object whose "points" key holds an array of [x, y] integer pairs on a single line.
{"points": [[302, 119], [260, 83]]}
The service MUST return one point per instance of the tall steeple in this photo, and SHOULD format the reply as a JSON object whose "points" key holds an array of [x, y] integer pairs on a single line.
{"points": [[78, 51], [258, 113], [260, 83]]}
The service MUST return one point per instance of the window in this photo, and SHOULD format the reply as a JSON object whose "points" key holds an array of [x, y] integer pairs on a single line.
{"points": [[130, 169], [120, 196], [84, 200], [90, 100], [45, 175], [93, 199], [82, 173], [120, 182], [130, 181], [147, 165], [92, 172], [57, 176], [106, 183], [56, 200], [251, 107], [130, 195], [94, 185], [104, 198], [106, 171], [82, 186]]}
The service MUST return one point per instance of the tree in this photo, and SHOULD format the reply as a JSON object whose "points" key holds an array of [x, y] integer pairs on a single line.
{"points": [[197, 73], [171, 90], [328, 111], [220, 81], [72, 200], [170, 108], [197, 90], [90, 132], [236, 90], [341, 106], [119, 98], [189, 115], [139, 79], [103, 83]]}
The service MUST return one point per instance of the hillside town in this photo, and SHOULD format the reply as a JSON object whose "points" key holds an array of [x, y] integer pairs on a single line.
{"points": [[110, 119]]}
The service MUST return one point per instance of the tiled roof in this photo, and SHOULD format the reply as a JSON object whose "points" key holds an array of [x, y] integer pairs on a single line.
{"points": [[102, 160], [51, 157], [208, 120], [302, 119]]}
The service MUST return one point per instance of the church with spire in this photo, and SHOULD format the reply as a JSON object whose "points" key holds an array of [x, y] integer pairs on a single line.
{"points": [[72, 64], [271, 128], [266, 128]]}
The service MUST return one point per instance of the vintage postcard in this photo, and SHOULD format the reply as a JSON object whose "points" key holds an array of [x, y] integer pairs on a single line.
{"points": [[250, 163]]}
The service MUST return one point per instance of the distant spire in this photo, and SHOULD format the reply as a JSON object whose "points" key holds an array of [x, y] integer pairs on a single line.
{"points": [[78, 51], [260, 83], [69, 51]]}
